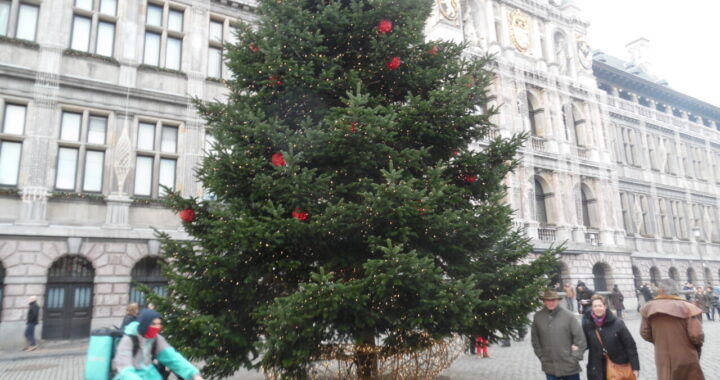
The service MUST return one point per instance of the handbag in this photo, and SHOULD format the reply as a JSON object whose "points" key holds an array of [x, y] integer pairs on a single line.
{"points": [[613, 370]]}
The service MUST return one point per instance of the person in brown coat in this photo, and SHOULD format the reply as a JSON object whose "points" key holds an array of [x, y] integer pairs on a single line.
{"points": [[674, 326]]}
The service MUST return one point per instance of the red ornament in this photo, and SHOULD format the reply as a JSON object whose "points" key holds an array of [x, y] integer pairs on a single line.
{"points": [[278, 159], [433, 50], [253, 48], [353, 126], [470, 178], [394, 63], [187, 215], [384, 26], [300, 215], [274, 81], [455, 152]]}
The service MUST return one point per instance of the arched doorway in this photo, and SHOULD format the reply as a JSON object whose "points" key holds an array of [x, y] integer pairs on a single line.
{"points": [[692, 277], [655, 276], [599, 277], [68, 299], [637, 277], [673, 273], [147, 271]]}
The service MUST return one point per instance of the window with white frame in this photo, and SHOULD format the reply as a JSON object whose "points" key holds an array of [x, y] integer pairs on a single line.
{"points": [[220, 33], [11, 140], [156, 160], [163, 36], [663, 221], [93, 26], [18, 19], [698, 164], [81, 151]]}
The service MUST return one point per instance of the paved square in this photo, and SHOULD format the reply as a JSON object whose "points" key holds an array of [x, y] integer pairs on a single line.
{"points": [[67, 361]]}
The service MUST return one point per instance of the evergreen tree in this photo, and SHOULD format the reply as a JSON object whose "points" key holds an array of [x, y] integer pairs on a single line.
{"points": [[349, 207]]}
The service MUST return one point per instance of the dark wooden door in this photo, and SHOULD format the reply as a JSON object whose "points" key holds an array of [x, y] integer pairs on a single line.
{"points": [[68, 299]]}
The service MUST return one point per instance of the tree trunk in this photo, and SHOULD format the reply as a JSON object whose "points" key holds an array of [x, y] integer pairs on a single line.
{"points": [[366, 357]]}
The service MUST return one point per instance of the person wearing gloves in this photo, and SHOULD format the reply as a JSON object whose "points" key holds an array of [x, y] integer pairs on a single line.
{"points": [[139, 365]]}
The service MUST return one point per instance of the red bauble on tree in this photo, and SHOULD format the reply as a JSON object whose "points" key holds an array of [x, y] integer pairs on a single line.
{"points": [[300, 215], [470, 178], [393, 63], [353, 126], [253, 48], [433, 50], [278, 159], [187, 215], [384, 26], [274, 81]]}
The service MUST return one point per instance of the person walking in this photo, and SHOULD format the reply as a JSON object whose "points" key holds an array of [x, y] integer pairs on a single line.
{"points": [[557, 339], [674, 326], [131, 364], [583, 298], [131, 316], [616, 340], [569, 295], [32, 320], [482, 347], [616, 300], [715, 300], [703, 301]]}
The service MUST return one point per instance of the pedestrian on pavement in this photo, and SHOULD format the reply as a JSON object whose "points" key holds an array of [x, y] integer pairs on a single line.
{"points": [[674, 326], [616, 300], [482, 347], [557, 339], [713, 292], [583, 298], [616, 340], [32, 321], [138, 365], [569, 295], [646, 292], [703, 301], [132, 310]]}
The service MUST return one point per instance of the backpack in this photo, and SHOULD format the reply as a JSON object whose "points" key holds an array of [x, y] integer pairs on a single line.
{"points": [[101, 351]]}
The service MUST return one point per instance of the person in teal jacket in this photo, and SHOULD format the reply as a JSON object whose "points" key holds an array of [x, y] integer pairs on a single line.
{"points": [[139, 366]]}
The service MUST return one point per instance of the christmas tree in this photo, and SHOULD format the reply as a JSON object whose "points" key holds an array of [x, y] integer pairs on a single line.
{"points": [[348, 206]]}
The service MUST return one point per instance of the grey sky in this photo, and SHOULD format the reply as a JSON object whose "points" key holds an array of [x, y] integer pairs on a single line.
{"points": [[684, 46]]}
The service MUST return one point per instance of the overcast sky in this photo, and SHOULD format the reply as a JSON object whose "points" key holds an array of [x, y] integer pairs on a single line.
{"points": [[684, 39]]}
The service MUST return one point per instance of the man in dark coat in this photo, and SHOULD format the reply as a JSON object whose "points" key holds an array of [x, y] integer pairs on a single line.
{"points": [[646, 292], [557, 339], [583, 297], [674, 326], [32, 321], [616, 300]]}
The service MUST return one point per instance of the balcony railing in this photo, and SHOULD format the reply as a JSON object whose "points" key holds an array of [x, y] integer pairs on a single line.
{"points": [[592, 238], [538, 143], [546, 234]]}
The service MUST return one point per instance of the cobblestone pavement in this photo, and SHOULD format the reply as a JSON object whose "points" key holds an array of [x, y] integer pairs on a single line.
{"points": [[66, 361]]}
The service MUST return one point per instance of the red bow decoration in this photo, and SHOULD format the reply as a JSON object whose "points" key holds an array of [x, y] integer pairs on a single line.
{"points": [[470, 178], [433, 50]]}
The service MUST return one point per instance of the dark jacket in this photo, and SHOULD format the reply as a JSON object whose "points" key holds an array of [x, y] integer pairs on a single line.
{"points": [[553, 334], [618, 342], [647, 294], [583, 297], [33, 313], [126, 321], [616, 298]]}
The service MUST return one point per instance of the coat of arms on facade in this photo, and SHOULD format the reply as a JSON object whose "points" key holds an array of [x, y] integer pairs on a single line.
{"points": [[583, 50], [520, 30], [449, 9]]}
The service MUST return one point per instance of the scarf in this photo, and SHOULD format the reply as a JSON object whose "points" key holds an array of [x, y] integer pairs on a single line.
{"points": [[599, 321]]}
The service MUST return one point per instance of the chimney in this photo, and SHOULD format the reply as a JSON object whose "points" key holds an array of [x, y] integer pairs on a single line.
{"points": [[640, 53]]}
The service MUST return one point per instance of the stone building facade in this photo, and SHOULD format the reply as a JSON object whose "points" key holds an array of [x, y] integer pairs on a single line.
{"points": [[96, 115]]}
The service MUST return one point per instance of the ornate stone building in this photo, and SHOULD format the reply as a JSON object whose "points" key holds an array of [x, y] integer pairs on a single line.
{"points": [[619, 167], [96, 115]]}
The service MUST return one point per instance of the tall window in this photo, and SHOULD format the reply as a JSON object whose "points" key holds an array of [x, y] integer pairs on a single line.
{"points": [[93, 26], [540, 209], [627, 219], [663, 220], [156, 161], [583, 206], [81, 151], [220, 33], [652, 144], [148, 272], [629, 143], [163, 36], [535, 115], [18, 19], [11, 139], [679, 219]]}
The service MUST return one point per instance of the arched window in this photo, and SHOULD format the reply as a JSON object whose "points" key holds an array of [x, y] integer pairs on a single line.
{"points": [[599, 276], [585, 205], [68, 298], [540, 209], [673, 273], [535, 115], [691, 276], [637, 277], [579, 125], [655, 276], [147, 271], [708, 276]]}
